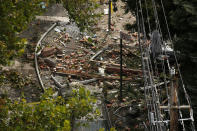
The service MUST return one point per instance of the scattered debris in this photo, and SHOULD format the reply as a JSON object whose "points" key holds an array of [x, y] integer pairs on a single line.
{"points": [[50, 63], [57, 30], [106, 11], [48, 51], [75, 58], [125, 71]]}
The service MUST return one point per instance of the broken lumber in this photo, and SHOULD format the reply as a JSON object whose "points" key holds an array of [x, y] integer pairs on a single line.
{"points": [[125, 70], [86, 75], [106, 63], [57, 83], [85, 82], [99, 52]]}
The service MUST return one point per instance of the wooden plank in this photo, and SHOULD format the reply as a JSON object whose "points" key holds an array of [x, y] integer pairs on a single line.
{"points": [[86, 75], [174, 103], [106, 63], [125, 70]]}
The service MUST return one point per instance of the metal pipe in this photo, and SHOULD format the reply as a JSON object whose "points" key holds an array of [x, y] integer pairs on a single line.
{"points": [[120, 97], [35, 55]]}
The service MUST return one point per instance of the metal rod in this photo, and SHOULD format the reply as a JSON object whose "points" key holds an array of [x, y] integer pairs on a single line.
{"points": [[35, 56], [109, 20], [120, 97], [176, 107]]}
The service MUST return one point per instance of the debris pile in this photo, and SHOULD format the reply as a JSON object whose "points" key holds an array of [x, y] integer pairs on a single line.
{"points": [[68, 57], [65, 61]]}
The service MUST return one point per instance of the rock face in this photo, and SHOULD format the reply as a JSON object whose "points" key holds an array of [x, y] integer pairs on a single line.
{"points": [[48, 51]]}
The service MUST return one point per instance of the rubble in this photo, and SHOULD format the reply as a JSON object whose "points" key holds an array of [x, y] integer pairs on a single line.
{"points": [[106, 11], [50, 63], [57, 30], [48, 51], [74, 58], [126, 71]]}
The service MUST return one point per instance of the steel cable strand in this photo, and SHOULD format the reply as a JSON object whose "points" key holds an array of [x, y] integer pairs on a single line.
{"points": [[156, 69], [187, 96], [167, 60], [158, 26], [180, 113], [153, 94], [166, 86], [147, 13], [183, 86], [153, 2], [154, 91], [147, 84], [143, 65], [149, 32], [156, 97], [148, 18]]}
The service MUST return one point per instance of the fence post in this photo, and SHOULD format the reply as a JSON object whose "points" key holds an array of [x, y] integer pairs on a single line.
{"points": [[120, 97]]}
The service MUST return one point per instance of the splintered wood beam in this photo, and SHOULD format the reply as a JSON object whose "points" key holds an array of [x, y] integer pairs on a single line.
{"points": [[125, 70], [174, 103], [106, 63], [86, 75]]}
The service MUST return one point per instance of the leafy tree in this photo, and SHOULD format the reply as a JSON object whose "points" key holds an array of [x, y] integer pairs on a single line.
{"points": [[82, 12], [14, 17], [17, 14], [48, 114]]}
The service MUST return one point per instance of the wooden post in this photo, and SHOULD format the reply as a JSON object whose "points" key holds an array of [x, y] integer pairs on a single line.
{"points": [[174, 103]]}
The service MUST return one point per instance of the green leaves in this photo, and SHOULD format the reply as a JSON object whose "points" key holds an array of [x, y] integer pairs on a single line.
{"points": [[82, 12], [48, 114], [189, 8], [14, 18], [82, 103]]}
